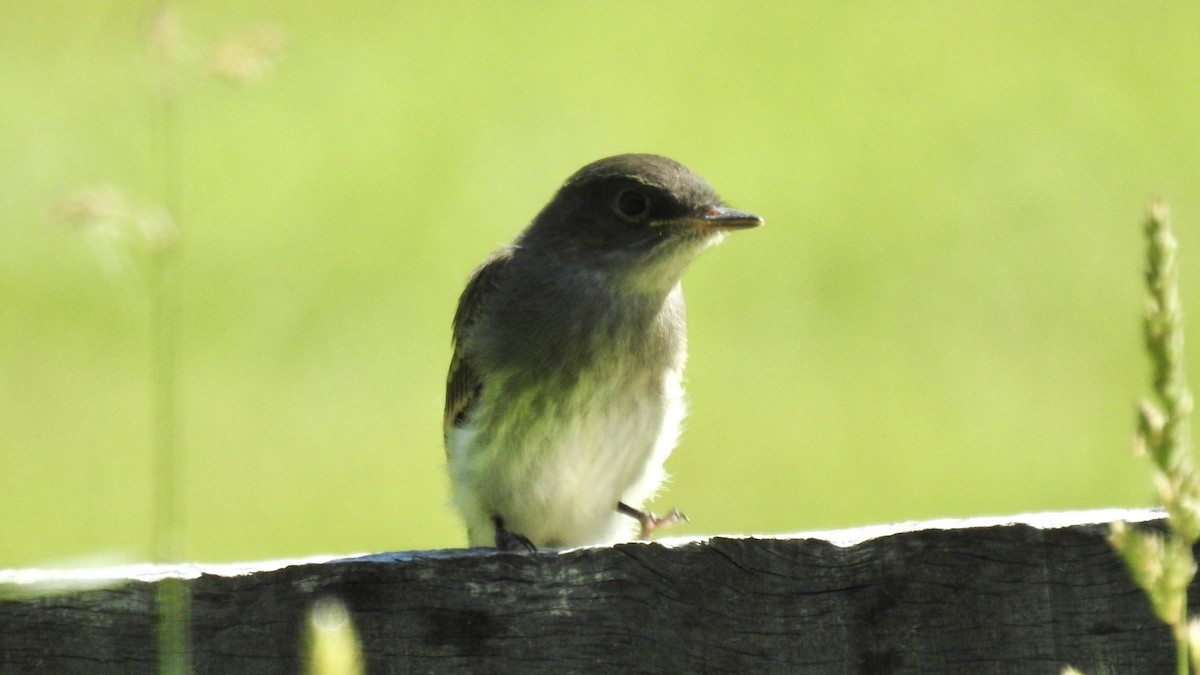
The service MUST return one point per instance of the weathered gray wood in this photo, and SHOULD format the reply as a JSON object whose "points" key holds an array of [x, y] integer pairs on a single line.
{"points": [[987, 598]]}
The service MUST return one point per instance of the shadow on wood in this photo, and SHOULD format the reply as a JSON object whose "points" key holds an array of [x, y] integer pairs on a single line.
{"points": [[1022, 595]]}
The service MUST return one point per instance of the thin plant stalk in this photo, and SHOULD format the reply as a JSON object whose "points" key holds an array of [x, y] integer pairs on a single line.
{"points": [[172, 594], [1162, 563], [168, 535]]}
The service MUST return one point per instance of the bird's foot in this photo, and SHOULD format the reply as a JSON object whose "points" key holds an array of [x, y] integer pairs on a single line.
{"points": [[651, 521], [511, 541]]}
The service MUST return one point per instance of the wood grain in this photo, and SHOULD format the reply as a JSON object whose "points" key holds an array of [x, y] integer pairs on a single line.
{"points": [[990, 598]]}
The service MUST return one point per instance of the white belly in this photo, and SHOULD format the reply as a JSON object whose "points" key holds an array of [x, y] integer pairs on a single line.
{"points": [[554, 471]]}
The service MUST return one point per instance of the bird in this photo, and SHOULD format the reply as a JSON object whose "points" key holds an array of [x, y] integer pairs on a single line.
{"points": [[564, 394]]}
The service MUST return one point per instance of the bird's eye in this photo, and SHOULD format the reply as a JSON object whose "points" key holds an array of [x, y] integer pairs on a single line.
{"points": [[631, 205]]}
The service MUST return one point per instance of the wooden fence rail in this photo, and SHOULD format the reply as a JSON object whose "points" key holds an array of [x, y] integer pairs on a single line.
{"points": [[1020, 595]]}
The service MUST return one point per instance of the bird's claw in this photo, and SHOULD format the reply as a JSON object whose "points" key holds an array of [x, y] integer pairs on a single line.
{"points": [[511, 541], [651, 521]]}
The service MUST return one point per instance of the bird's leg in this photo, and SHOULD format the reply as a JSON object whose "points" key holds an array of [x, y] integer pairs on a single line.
{"points": [[650, 521], [511, 541]]}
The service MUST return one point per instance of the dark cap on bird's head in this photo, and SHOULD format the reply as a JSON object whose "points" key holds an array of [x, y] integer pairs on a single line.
{"points": [[634, 211]]}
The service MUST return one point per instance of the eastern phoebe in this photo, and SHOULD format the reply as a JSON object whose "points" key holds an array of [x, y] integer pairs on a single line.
{"points": [[564, 397]]}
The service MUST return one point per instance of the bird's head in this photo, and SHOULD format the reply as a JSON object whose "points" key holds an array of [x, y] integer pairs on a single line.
{"points": [[639, 218]]}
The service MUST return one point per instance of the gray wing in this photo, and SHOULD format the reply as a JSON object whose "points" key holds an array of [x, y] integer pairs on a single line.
{"points": [[463, 383]]}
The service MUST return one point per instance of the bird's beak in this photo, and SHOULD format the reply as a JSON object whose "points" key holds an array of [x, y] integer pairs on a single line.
{"points": [[725, 218], [710, 220]]}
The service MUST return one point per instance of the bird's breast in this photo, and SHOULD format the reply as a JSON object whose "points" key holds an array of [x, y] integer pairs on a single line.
{"points": [[555, 461], [607, 444]]}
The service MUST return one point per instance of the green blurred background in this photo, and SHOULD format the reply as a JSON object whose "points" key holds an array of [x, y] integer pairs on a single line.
{"points": [[939, 319]]}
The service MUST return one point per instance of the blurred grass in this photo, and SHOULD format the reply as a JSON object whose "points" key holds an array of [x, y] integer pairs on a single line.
{"points": [[940, 318]]}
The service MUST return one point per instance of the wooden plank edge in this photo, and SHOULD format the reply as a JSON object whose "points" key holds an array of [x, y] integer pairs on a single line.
{"points": [[81, 578]]}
